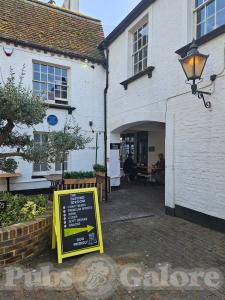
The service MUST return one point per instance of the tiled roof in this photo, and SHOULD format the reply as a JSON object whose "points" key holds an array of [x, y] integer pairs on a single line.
{"points": [[50, 28]]}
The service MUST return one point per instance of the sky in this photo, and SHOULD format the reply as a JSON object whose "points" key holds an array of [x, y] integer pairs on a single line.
{"points": [[110, 12]]}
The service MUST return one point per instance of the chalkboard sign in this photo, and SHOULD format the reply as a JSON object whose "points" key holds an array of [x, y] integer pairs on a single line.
{"points": [[115, 146], [76, 223]]}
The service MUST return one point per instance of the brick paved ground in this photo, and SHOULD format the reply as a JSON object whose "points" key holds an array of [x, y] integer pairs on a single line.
{"points": [[149, 239]]}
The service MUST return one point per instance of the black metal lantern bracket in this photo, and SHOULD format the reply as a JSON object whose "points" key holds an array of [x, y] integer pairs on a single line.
{"points": [[201, 94]]}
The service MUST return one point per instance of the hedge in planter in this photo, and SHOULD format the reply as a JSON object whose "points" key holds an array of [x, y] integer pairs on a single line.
{"points": [[21, 208], [31, 234], [79, 175]]}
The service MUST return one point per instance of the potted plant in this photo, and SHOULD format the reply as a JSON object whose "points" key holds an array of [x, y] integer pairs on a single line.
{"points": [[100, 170]]}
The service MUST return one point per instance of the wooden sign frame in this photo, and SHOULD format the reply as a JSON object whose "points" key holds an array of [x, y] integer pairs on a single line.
{"points": [[56, 230]]}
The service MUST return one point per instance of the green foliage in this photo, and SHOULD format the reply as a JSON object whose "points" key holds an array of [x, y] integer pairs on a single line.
{"points": [[63, 141], [18, 104], [99, 168], [79, 175], [8, 165], [21, 208]]}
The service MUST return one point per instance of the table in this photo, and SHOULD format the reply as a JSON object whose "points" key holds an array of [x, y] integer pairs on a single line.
{"points": [[8, 176]]}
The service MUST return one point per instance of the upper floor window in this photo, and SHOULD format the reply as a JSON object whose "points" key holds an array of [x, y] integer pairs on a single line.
{"points": [[140, 49], [210, 14], [50, 82]]}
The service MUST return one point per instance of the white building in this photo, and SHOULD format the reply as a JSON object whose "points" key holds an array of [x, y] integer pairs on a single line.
{"points": [[148, 95], [59, 49]]}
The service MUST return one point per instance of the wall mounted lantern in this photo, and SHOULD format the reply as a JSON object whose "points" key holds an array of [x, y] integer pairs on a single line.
{"points": [[193, 65]]}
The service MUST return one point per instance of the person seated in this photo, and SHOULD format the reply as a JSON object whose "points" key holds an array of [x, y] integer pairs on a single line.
{"points": [[158, 170], [129, 167]]}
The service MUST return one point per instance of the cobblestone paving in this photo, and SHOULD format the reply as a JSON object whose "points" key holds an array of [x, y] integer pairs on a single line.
{"points": [[146, 241]]}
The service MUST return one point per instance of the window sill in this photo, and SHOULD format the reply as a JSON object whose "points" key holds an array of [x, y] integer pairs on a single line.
{"points": [[204, 39], [147, 71], [62, 107]]}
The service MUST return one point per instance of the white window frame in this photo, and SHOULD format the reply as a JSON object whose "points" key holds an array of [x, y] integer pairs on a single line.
{"points": [[57, 100], [201, 6], [53, 167], [141, 49]]}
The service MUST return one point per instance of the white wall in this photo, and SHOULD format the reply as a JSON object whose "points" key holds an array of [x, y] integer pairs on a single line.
{"points": [[86, 94], [195, 137], [156, 139]]}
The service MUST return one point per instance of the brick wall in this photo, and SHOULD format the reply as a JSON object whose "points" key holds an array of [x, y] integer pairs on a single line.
{"points": [[21, 241]]}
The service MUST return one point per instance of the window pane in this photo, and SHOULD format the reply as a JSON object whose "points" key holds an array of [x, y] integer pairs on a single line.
{"points": [[200, 30], [220, 19], [58, 166], [145, 52], [64, 95], [65, 165], [36, 68], [135, 69], [37, 138], [140, 66], [43, 68], [210, 24], [43, 77], [44, 87], [135, 58], [64, 73], [36, 76], [145, 63], [145, 40], [198, 2], [220, 4], [57, 94], [201, 15], [64, 81], [135, 47], [36, 93], [37, 167], [210, 9], [44, 167], [58, 71], [51, 87], [140, 33], [140, 55], [139, 44], [36, 86], [50, 70], [51, 78], [50, 96]]}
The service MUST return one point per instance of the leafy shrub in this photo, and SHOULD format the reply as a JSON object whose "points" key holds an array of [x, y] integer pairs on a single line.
{"points": [[99, 168], [79, 175], [21, 208]]}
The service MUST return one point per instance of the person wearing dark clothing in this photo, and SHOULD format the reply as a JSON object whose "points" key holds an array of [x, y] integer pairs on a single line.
{"points": [[158, 171], [129, 167]]}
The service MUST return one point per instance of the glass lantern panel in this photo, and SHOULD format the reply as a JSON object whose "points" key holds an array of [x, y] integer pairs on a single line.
{"points": [[188, 66], [199, 65]]}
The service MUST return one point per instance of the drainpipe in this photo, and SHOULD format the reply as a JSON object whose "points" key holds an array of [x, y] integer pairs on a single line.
{"points": [[105, 119]]}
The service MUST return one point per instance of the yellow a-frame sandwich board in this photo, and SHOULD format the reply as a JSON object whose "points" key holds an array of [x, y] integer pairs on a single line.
{"points": [[58, 230]]}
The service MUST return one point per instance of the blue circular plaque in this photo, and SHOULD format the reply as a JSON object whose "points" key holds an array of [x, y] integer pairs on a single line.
{"points": [[52, 120]]}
